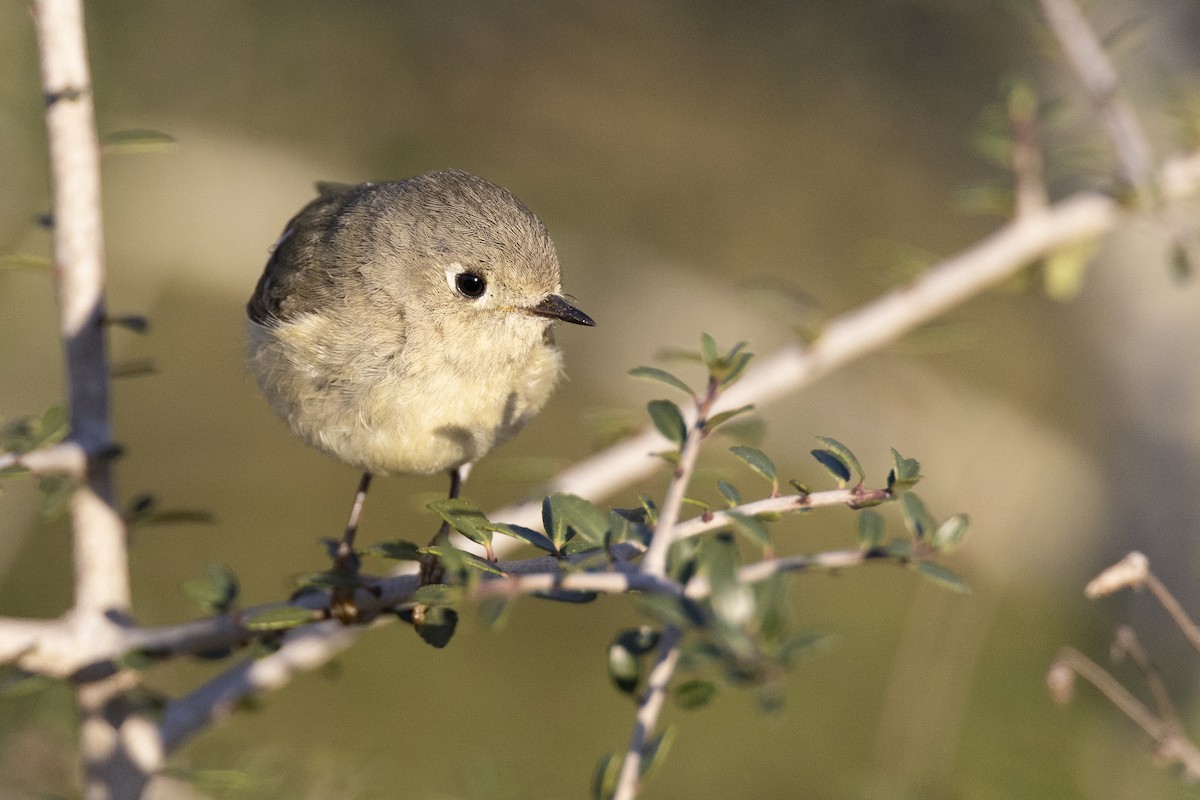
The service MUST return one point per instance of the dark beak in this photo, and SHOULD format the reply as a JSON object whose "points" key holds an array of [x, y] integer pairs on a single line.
{"points": [[557, 308]]}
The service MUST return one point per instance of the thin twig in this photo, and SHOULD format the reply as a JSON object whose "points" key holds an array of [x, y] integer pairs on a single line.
{"points": [[1126, 643], [302, 651], [117, 757], [886, 319], [1133, 572], [66, 459], [869, 328], [1091, 64], [716, 520], [1171, 744], [1174, 610], [1030, 194], [629, 780]]}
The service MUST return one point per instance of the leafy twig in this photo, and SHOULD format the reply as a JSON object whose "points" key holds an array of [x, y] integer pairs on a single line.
{"points": [[648, 711]]}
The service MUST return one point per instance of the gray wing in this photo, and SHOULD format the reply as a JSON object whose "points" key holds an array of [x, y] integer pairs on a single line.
{"points": [[303, 272]]}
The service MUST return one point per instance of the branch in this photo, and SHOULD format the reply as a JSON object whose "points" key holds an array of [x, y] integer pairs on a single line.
{"points": [[628, 783], [655, 562], [1133, 572], [302, 651], [845, 338], [117, 755], [715, 520], [1171, 744], [943, 286], [67, 459], [1091, 64], [1126, 643], [310, 647]]}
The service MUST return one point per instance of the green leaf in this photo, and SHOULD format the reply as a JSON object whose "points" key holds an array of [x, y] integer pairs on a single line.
{"points": [[436, 626], [942, 576], [656, 751], [436, 594], [628, 525], [136, 141], [52, 427], [649, 508], [917, 519], [757, 460], [216, 591], [750, 527], [55, 495], [736, 366], [870, 529], [278, 618], [465, 518], [527, 535], [605, 777], [904, 474], [570, 512], [25, 261], [1063, 270], [694, 693], [668, 419], [495, 610], [662, 376], [137, 659], [624, 667], [950, 533], [747, 430], [801, 643], [708, 352], [670, 610], [831, 461], [771, 606], [461, 558], [397, 550], [718, 419], [730, 492], [732, 602], [844, 453]]}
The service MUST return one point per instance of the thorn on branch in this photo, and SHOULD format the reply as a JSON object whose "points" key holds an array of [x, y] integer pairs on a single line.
{"points": [[69, 93]]}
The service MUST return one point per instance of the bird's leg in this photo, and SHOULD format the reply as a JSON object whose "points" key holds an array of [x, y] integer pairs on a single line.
{"points": [[431, 566], [345, 564], [436, 624]]}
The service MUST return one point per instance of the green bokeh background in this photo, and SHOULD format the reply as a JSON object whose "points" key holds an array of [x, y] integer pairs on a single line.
{"points": [[676, 151]]}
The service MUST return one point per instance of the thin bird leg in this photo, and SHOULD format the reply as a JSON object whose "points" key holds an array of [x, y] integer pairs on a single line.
{"points": [[341, 601], [431, 567]]}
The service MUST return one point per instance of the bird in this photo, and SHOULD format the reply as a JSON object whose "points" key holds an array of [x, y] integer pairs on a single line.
{"points": [[405, 327]]}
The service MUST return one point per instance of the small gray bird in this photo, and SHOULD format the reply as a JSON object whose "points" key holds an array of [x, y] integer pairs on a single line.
{"points": [[405, 327]]}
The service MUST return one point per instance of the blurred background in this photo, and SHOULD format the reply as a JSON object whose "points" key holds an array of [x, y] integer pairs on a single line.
{"points": [[679, 152]]}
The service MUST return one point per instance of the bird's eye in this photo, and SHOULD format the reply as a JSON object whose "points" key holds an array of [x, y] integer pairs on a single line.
{"points": [[470, 285]]}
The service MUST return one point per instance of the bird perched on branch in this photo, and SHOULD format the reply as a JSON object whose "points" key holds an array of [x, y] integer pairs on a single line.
{"points": [[405, 327]]}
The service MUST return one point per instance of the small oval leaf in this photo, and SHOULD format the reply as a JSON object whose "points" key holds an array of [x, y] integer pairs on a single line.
{"points": [[278, 618], [668, 419], [694, 693], [662, 376], [757, 460], [832, 462], [844, 453]]}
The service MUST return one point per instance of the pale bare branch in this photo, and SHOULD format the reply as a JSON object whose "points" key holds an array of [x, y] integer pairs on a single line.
{"points": [[649, 708]]}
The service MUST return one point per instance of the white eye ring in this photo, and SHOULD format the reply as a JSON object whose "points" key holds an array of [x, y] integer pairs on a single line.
{"points": [[466, 283]]}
